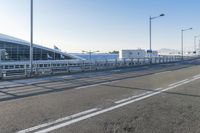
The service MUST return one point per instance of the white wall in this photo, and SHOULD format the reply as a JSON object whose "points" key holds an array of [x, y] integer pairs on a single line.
{"points": [[139, 53]]}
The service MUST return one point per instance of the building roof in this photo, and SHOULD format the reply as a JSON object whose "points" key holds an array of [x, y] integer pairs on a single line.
{"points": [[7, 38], [11, 39]]}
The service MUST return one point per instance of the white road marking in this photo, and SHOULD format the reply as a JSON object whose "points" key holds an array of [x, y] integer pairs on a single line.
{"points": [[196, 76], [178, 82], [116, 70], [132, 97], [67, 76], [58, 121], [91, 113], [136, 96], [87, 86], [84, 117], [158, 89], [162, 72]]}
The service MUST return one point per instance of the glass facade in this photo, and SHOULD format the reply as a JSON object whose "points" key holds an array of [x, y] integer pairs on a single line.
{"points": [[20, 52]]}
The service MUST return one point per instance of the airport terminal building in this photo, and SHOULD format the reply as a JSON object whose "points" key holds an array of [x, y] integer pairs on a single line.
{"points": [[14, 49]]}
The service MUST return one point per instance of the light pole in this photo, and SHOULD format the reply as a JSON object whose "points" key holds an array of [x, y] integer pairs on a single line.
{"points": [[182, 40], [199, 46], [31, 38], [90, 54], [195, 46], [150, 19]]}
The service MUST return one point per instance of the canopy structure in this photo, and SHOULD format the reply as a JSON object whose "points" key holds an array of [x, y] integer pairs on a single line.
{"points": [[18, 50]]}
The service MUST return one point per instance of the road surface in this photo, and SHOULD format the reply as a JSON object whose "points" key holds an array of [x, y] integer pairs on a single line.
{"points": [[148, 99]]}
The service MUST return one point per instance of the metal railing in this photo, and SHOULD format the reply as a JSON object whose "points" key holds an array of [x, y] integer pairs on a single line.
{"points": [[14, 69]]}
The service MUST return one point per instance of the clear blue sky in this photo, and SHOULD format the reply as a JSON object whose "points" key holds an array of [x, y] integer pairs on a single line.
{"points": [[105, 25]]}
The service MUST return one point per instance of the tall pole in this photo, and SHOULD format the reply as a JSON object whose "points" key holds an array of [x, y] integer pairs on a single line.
{"points": [[90, 56], [199, 44], [150, 34], [150, 47], [90, 53], [31, 43], [0, 54], [182, 40], [150, 50], [195, 43], [182, 44]]}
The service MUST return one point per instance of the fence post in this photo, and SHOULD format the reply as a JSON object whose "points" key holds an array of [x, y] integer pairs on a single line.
{"points": [[51, 69], [1, 74], [83, 66], [115, 63], [131, 61], [25, 70]]}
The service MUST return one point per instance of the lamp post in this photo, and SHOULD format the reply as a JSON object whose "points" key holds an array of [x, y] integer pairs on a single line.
{"points": [[90, 54], [150, 19], [182, 40], [199, 46], [31, 40], [195, 46]]}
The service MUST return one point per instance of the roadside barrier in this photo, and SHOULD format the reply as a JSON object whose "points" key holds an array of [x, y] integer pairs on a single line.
{"points": [[16, 69]]}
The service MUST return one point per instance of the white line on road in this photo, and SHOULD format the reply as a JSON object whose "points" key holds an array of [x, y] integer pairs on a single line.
{"points": [[158, 89], [93, 85], [196, 76], [75, 120], [67, 76], [162, 72], [115, 70], [178, 82], [132, 97], [58, 121], [136, 96]]}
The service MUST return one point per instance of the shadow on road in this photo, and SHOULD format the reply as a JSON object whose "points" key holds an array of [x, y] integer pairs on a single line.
{"points": [[167, 92], [26, 90]]}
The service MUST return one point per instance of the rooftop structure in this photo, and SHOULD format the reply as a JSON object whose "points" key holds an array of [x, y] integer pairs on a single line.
{"points": [[14, 49], [133, 53]]}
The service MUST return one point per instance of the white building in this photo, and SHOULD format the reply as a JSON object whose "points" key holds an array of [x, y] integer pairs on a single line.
{"points": [[133, 53], [153, 54]]}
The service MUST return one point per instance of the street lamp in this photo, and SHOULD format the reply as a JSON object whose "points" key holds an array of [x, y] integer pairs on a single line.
{"points": [[31, 40], [90, 53], [195, 46], [182, 40], [150, 19]]}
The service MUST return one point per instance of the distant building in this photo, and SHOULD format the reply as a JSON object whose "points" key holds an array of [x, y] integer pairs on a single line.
{"points": [[97, 56], [153, 54], [14, 49], [165, 51], [133, 53], [198, 51]]}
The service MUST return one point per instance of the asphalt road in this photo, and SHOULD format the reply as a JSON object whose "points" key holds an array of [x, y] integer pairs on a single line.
{"points": [[148, 99]]}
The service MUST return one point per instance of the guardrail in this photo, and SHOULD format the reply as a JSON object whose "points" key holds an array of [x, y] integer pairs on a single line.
{"points": [[11, 70]]}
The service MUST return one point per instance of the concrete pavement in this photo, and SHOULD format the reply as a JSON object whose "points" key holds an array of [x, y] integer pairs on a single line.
{"points": [[162, 98]]}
